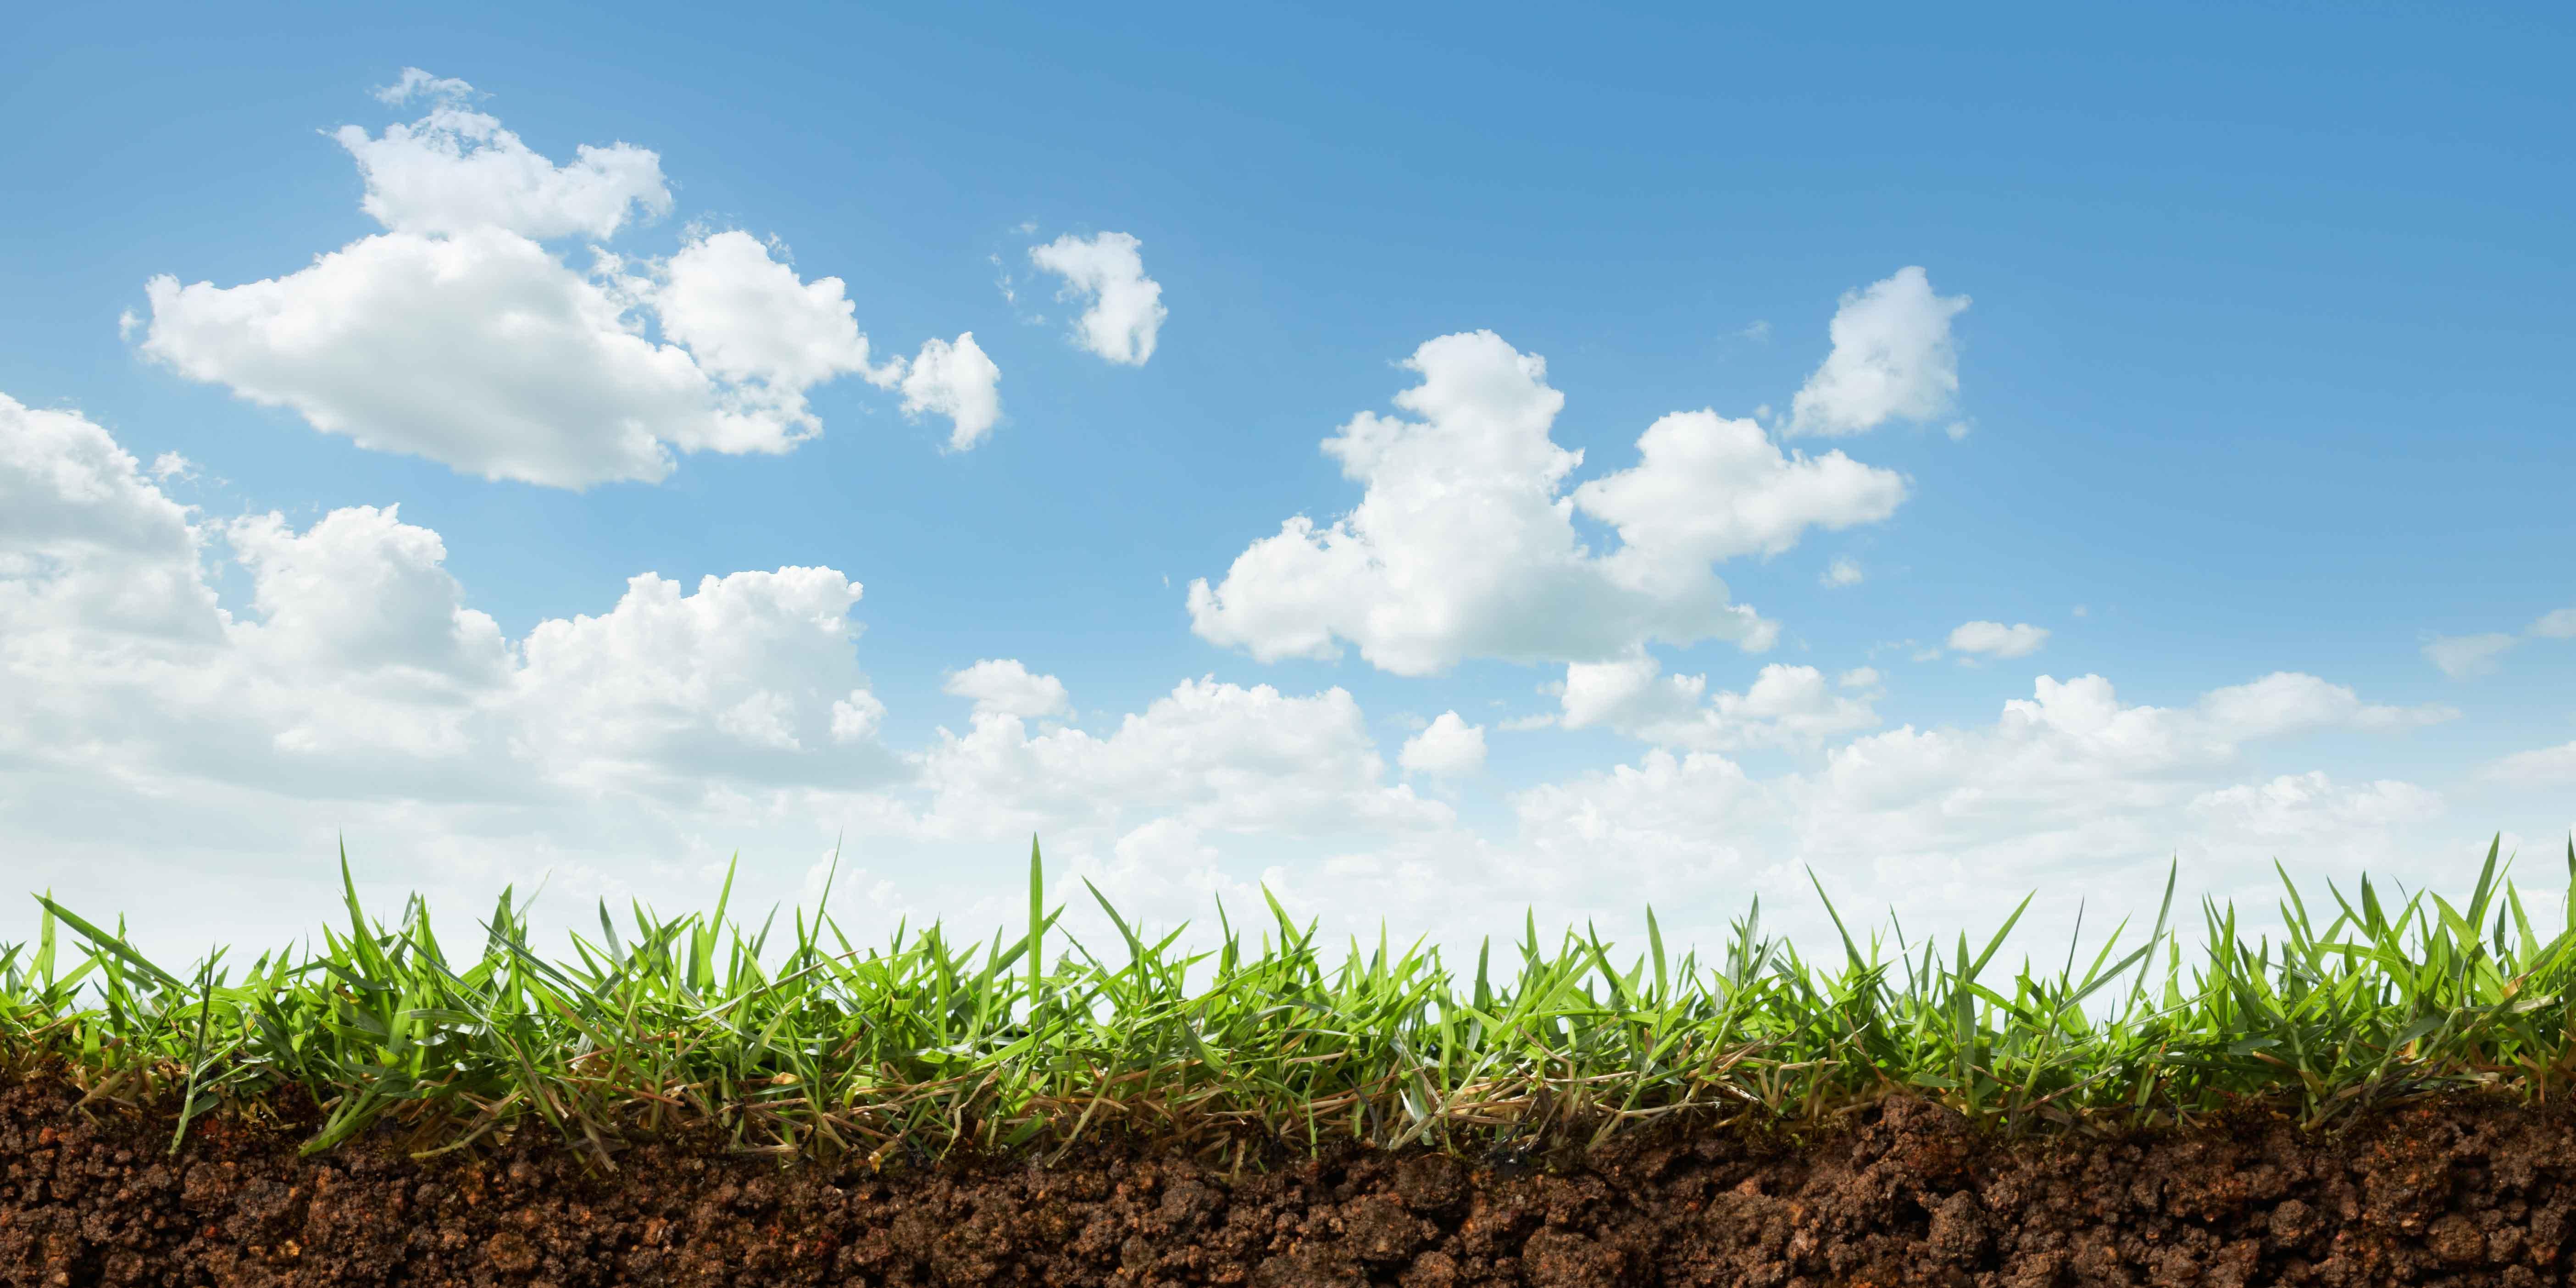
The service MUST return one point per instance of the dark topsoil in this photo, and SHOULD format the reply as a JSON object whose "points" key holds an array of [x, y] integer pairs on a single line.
{"points": [[2454, 1192]]}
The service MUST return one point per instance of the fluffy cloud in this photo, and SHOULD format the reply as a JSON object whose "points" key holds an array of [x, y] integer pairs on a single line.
{"points": [[959, 382], [457, 336], [1449, 748], [1463, 543], [358, 670], [1787, 706], [98, 568], [2299, 807], [2289, 702], [480, 351], [1893, 356], [2065, 790], [1710, 489], [1998, 640], [1212, 757], [1125, 308], [2545, 767], [747, 319], [1002, 686], [456, 170]]}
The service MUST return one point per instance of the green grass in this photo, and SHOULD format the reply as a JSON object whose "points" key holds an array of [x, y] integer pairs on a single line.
{"points": [[790, 1039]]}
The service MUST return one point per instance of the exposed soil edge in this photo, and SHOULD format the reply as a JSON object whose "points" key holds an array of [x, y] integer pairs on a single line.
{"points": [[2457, 1191]]}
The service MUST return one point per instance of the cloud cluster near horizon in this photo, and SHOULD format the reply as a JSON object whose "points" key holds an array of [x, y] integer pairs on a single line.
{"points": [[359, 677]]}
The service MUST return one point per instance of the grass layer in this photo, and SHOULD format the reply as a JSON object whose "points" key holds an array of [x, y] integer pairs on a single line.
{"points": [[809, 1044]]}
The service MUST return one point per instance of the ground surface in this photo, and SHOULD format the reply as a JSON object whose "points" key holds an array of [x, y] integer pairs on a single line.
{"points": [[2458, 1192]]}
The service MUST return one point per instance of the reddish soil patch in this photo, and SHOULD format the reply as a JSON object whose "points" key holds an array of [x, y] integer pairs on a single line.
{"points": [[2456, 1192]]}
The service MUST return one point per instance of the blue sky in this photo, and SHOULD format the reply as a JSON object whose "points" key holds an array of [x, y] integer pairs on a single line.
{"points": [[2229, 356]]}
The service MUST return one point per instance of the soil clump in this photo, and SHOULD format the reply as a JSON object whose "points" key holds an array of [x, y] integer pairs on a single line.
{"points": [[2455, 1191]]}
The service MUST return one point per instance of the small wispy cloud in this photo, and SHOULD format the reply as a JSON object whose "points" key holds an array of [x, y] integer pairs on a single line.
{"points": [[1994, 639]]}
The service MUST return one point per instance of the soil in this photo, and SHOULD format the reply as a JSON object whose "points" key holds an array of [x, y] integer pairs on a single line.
{"points": [[2457, 1191]]}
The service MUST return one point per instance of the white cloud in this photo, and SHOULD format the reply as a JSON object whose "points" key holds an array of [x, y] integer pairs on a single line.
{"points": [[1213, 757], [457, 170], [1002, 686], [98, 568], [2463, 656], [456, 336], [2289, 702], [2544, 767], [480, 351], [746, 318], [2301, 807], [1710, 488], [742, 678], [1463, 543], [1996, 639], [1892, 356], [1860, 677], [2066, 791], [358, 671], [1448, 748], [172, 467], [1125, 308], [959, 382], [1843, 571], [418, 83], [1786, 706]]}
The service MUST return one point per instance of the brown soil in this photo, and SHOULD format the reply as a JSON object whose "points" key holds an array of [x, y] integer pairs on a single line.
{"points": [[2457, 1192]]}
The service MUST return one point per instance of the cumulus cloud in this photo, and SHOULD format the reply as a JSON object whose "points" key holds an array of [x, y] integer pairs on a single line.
{"points": [[1211, 756], [1463, 543], [1124, 308], [2063, 790], [1002, 686], [458, 336], [1892, 356], [2296, 807], [747, 319], [358, 666], [959, 382], [1448, 748], [1710, 488], [1843, 571], [457, 170], [1998, 640], [1786, 706], [2556, 625], [480, 351]]}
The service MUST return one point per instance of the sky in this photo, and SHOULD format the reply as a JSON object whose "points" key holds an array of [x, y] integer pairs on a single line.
{"points": [[1429, 467]]}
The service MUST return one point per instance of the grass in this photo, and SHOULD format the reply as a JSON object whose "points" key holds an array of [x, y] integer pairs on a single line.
{"points": [[791, 1040]]}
